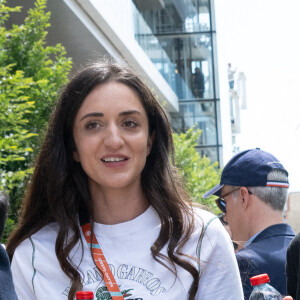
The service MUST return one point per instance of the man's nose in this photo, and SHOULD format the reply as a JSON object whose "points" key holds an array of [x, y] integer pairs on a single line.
{"points": [[225, 218]]}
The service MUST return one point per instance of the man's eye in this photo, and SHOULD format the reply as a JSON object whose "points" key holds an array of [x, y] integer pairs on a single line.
{"points": [[130, 124]]}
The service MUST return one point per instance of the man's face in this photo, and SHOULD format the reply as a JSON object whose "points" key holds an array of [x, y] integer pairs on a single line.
{"points": [[234, 212]]}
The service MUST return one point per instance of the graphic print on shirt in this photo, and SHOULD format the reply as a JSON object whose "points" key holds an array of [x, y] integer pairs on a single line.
{"points": [[103, 293], [134, 274]]}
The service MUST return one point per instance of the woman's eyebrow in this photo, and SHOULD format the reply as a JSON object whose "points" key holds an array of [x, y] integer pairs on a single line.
{"points": [[94, 114], [99, 114], [129, 112]]}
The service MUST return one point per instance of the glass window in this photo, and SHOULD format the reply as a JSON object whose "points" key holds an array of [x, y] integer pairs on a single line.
{"points": [[177, 37], [202, 115], [175, 15], [210, 152], [185, 61]]}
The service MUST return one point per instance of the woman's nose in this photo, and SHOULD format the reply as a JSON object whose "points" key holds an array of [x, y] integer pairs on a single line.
{"points": [[113, 137]]}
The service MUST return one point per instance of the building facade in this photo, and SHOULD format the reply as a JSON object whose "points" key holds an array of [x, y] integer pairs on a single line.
{"points": [[179, 38], [172, 43]]}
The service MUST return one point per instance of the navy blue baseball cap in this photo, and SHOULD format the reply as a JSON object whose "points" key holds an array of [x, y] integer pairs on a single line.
{"points": [[249, 168]]}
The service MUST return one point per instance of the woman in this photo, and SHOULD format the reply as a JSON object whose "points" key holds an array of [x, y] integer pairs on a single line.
{"points": [[105, 177]]}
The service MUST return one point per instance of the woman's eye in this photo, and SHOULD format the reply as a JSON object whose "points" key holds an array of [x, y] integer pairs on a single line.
{"points": [[130, 124], [92, 125]]}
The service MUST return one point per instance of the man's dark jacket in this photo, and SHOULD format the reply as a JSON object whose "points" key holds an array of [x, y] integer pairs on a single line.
{"points": [[7, 290], [293, 268], [266, 254]]}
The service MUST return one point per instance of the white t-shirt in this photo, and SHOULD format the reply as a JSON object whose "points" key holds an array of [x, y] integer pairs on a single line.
{"points": [[126, 246]]}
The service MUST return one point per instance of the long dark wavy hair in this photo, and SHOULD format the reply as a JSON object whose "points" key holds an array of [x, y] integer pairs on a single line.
{"points": [[59, 187]]}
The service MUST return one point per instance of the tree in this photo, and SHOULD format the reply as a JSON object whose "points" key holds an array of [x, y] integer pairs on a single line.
{"points": [[25, 48], [199, 173], [31, 74]]}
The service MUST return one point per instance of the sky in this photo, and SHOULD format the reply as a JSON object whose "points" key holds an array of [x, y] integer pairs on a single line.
{"points": [[261, 39]]}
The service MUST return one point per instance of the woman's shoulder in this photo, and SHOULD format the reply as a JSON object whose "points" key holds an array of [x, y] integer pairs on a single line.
{"points": [[208, 223], [210, 235], [45, 236], [203, 216], [47, 232]]}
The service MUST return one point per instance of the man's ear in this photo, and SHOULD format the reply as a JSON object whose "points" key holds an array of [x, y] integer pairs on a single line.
{"points": [[245, 196], [150, 142]]}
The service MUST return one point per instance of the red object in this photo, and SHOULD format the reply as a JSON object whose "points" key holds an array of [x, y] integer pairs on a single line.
{"points": [[85, 295], [259, 279], [101, 263]]}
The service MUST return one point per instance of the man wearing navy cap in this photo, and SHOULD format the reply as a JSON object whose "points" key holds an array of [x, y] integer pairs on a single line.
{"points": [[252, 193]]}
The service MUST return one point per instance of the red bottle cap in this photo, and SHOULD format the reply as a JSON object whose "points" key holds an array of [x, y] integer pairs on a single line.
{"points": [[84, 295], [259, 279]]}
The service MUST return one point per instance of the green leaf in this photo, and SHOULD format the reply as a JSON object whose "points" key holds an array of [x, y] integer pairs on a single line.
{"points": [[31, 75], [199, 174]]}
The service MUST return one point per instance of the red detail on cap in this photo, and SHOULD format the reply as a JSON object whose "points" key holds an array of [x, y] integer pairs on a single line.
{"points": [[278, 185], [88, 295], [259, 279]]}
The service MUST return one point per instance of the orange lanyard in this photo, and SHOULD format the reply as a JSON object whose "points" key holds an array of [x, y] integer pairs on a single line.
{"points": [[101, 263]]}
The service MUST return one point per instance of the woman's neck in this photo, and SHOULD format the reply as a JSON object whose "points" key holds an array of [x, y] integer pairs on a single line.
{"points": [[113, 207]]}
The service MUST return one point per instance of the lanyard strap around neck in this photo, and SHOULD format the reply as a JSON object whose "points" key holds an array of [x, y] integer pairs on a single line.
{"points": [[101, 263]]}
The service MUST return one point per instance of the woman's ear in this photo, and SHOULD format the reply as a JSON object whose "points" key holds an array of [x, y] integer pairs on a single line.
{"points": [[76, 156], [150, 142]]}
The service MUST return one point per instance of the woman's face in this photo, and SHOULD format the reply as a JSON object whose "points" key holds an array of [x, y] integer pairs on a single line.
{"points": [[111, 137]]}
